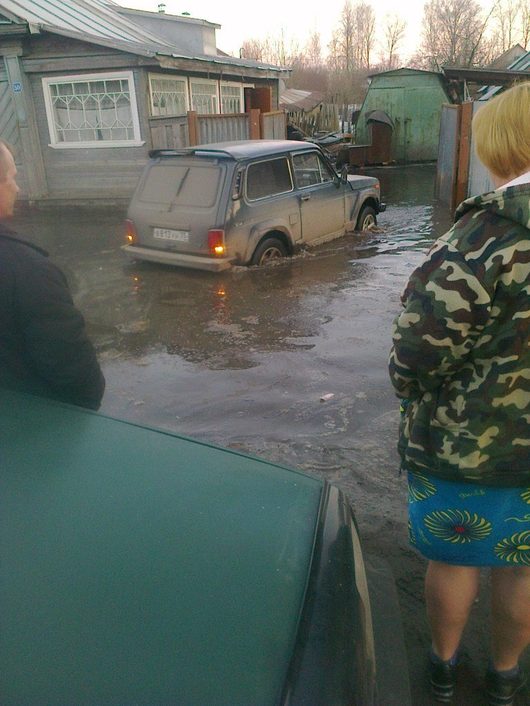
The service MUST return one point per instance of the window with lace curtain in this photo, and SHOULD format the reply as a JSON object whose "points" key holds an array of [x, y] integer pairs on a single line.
{"points": [[92, 110], [169, 95], [204, 96]]}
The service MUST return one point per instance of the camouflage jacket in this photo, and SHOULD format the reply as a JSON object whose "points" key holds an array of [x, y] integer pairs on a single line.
{"points": [[461, 351]]}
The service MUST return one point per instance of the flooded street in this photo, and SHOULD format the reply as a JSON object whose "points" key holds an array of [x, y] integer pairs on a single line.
{"points": [[243, 359]]}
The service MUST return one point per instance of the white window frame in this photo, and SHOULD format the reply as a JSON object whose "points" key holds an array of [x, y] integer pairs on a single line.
{"points": [[209, 82], [169, 77], [232, 84], [92, 144]]}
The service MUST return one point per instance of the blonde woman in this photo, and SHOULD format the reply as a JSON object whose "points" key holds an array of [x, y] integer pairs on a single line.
{"points": [[461, 363]]}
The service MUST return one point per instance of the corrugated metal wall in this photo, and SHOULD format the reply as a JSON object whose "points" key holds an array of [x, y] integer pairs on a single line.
{"points": [[479, 179], [413, 100], [448, 154], [221, 128]]}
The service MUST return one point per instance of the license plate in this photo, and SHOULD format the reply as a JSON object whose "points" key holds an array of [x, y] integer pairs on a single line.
{"points": [[182, 236]]}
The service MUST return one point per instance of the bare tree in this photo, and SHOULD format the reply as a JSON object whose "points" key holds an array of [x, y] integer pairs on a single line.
{"points": [[271, 50], [312, 53], [524, 9], [394, 28], [453, 34], [506, 17], [364, 33], [346, 33], [351, 47], [252, 49]]}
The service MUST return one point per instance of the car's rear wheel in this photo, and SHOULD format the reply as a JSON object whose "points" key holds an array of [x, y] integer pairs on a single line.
{"points": [[268, 250], [367, 218]]}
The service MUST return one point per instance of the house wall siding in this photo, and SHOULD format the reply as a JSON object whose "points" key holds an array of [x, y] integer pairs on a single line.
{"points": [[91, 172], [81, 172]]}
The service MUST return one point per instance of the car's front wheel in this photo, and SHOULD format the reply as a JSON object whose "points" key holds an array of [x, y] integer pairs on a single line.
{"points": [[367, 218], [268, 250]]}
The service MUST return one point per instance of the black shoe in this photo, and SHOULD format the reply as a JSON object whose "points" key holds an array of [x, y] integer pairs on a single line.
{"points": [[502, 690], [443, 679]]}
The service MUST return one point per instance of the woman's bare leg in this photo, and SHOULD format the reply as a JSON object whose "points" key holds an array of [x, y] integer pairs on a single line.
{"points": [[510, 613], [449, 594]]}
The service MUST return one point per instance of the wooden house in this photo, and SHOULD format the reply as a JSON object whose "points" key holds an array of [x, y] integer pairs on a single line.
{"points": [[88, 87]]}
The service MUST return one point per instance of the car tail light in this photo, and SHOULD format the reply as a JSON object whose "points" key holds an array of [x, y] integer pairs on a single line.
{"points": [[216, 242], [130, 231]]}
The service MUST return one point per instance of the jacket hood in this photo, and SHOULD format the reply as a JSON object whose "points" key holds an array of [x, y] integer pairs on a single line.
{"points": [[512, 202]]}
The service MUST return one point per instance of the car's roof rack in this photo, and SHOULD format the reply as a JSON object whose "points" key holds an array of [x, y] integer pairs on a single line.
{"points": [[188, 150]]}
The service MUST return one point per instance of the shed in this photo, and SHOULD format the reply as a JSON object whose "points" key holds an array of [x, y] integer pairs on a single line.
{"points": [[413, 100], [87, 88]]}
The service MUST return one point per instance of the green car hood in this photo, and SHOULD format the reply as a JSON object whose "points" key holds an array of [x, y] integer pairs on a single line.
{"points": [[139, 568]]}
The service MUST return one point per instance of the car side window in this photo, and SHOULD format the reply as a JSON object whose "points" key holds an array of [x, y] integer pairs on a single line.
{"points": [[267, 178], [310, 169]]}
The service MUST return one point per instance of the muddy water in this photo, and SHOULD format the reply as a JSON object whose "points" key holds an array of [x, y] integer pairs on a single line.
{"points": [[287, 362]]}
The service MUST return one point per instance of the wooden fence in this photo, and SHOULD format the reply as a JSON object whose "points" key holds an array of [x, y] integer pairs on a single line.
{"points": [[177, 132]]}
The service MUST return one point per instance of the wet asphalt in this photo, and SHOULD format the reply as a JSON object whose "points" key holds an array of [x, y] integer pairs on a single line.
{"points": [[287, 362]]}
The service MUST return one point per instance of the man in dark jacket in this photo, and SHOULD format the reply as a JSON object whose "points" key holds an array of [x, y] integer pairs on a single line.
{"points": [[44, 348]]}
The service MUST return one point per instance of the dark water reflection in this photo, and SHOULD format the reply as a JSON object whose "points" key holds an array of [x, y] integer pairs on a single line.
{"points": [[225, 320], [310, 307]]}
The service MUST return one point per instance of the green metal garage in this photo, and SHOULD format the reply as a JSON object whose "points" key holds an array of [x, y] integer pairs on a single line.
{"points": [[413, 99]]}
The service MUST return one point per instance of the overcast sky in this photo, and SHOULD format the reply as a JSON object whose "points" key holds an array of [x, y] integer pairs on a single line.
{"points": [[297, 19]]}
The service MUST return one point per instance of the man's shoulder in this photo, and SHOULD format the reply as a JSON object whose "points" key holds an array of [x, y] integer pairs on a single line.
{"points": [[11, 241]]}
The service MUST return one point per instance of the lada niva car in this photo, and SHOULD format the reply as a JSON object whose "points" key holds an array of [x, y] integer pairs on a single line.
{"points": [[243, 203]]}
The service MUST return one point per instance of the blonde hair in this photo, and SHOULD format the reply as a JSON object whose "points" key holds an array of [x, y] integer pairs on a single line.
{"points": [[501, 130]]}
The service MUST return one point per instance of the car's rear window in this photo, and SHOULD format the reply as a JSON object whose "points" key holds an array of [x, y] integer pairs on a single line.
{"points": [[194, 185], [267, 178]]}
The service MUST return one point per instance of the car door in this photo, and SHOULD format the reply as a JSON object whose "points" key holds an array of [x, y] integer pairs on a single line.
{"points": [[321, 197]]}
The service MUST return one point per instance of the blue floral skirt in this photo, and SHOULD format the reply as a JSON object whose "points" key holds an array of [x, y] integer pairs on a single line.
{"points": [[468, 524]]}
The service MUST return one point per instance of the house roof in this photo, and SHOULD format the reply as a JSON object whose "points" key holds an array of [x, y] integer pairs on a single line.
{"points": [[164, 16], [404, 70], [522, 63], [492, 81], [296, 99], [485, 75], [100, 22], [507, 58], [95, 18]]}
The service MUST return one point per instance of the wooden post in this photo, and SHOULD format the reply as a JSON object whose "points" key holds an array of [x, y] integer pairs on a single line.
{"points": [[254, 120], [20, 89], [462, 176], [193, 128]]}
